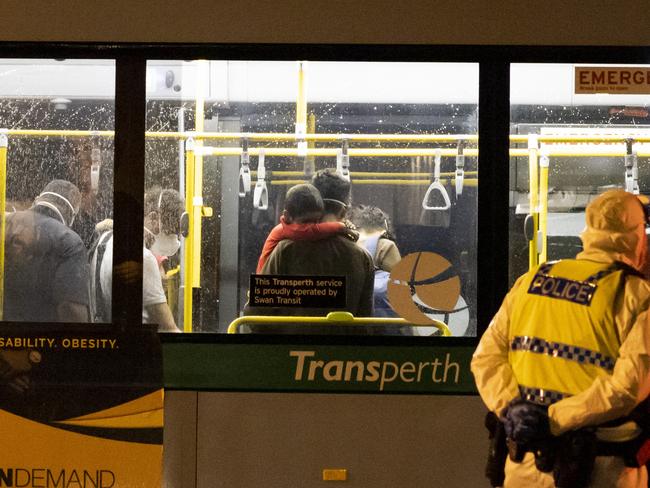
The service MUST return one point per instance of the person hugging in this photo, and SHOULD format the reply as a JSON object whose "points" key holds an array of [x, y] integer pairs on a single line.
{"points": [[301, 220]]}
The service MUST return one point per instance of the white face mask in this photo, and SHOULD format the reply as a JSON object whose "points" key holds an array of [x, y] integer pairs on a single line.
{"points": [[165, 244], [55, 209]]}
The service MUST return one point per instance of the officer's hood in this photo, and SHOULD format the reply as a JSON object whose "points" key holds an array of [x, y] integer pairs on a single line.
{"points": [[615, 229]]}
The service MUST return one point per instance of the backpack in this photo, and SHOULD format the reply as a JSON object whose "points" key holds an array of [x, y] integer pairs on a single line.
{"points": [[99, 309], [380, 293]]}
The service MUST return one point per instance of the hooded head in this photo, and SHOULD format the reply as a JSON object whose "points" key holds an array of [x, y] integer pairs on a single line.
{"points": [[616, 227], [62, 198]]}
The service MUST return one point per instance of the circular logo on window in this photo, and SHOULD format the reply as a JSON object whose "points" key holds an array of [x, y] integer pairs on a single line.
{"points": [[424, 287]]}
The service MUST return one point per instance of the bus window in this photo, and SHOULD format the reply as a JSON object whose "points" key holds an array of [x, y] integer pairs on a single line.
{"points": [[252, 145], [576, 131], [56, 142]]}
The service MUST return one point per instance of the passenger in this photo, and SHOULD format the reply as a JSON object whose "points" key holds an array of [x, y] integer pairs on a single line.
{"points": [[303, 210], [569, 349], [46, 265], [333, 256], [163, 211], [374, 236]]}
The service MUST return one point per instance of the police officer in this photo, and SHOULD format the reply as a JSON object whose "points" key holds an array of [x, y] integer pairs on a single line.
{"points": [[570, 346]]}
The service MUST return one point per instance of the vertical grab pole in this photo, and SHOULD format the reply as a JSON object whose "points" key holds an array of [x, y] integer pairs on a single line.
{"points": [[194, 200], [4, 143], [533, 144], [180, 314], [301, 112], [189, 240], [310, 161], [543, 206], [197, 197]]}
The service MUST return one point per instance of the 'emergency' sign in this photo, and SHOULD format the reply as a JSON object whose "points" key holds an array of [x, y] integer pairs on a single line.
{"points": [[615, 80]]}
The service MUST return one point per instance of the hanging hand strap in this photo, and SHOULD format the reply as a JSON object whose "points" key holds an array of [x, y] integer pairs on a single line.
{"points": [[261, 193], [343, 161], [460, 168], [435, 186], [631, 168], [244, 170]]}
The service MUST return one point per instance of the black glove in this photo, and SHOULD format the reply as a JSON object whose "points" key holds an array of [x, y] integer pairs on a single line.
{"points": [[526, 423]]}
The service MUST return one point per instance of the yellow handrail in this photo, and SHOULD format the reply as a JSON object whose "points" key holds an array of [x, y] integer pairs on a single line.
{"points": [[332, 318], [370, 174], [290, 136], [611, 138], [59, 133], [473, 182], [331, 152]]}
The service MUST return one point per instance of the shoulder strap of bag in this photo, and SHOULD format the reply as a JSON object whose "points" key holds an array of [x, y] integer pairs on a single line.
{"points": [[100, 306]]}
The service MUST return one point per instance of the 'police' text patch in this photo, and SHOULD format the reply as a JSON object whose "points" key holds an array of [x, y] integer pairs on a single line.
{"points": [[560, 288]]}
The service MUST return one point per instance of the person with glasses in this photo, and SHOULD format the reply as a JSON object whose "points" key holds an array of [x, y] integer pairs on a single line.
{"points": [[164, 222]]}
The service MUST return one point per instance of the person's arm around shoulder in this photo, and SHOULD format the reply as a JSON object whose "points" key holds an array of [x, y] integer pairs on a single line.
{"points": [[615, 395], [273, 265], [275, 236], [495, 380]]}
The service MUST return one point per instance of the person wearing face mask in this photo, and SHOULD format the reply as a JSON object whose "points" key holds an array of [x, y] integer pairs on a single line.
{"points": [[565, 363], [336, 255], [46, 267], [162, 227]]}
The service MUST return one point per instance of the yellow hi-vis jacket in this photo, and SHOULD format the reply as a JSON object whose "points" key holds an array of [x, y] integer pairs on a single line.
{"points": [[583, 348], [562, 333]]}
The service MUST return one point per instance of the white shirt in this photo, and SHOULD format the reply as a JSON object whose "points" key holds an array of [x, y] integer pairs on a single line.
{"points": [[152, 289]]}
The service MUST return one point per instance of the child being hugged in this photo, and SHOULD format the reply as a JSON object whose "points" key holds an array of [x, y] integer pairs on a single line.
{"points": [[300, 220]]}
